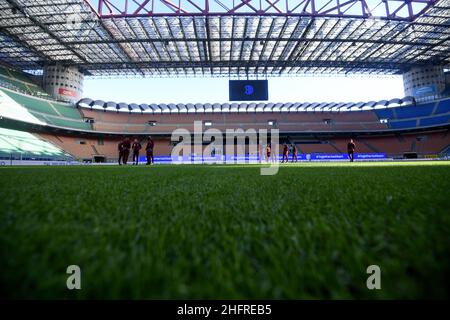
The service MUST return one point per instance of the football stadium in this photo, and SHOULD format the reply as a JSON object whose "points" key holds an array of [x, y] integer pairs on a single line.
{"points": [[248, 198]]}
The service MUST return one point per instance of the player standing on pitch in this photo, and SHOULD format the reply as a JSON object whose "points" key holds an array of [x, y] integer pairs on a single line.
{"points": [[285, 153], [294, 153], [149, 150], [126, 146], [268, 151], [136, 147], [351, 150], [120, 148]]}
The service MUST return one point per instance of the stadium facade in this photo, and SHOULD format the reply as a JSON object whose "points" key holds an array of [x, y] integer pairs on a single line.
{"points": [[48, 47]]}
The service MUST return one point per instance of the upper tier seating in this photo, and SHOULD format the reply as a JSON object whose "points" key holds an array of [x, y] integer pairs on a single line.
{"points": [[51, 112], [435, 113], [42, 106], [21, 82], [46, 110], [414, 111], [66, 123], [385, 113], [403, 124], [435, 120], [288, 119], [286, 122], [443, 107]]}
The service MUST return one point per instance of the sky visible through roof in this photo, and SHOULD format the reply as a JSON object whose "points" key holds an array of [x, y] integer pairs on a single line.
{"points": [[215, 90]]}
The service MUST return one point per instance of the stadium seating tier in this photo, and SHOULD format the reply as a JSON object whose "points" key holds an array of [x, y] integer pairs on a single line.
{"points": [[16, 144]]}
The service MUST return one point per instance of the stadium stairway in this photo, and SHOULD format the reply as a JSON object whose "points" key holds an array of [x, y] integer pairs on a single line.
{"points": [[94, 149], [368, 145], [80, 148], [332, 143], [413, 146], [445, 152]]}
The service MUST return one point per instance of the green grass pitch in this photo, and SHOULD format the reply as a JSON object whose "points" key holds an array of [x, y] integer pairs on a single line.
{"points": [[224, 231]]}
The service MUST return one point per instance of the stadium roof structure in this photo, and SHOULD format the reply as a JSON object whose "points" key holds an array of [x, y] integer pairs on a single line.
{"points": [[172, 108], [225, 37]]}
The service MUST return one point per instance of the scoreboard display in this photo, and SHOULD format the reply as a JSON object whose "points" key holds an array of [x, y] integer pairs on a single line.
{"points": [[249, 90]]}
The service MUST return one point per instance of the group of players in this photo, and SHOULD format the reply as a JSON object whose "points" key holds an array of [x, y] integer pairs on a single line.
{"points": [[125, 146], [289, 149], [351, 146], [292, 149]]}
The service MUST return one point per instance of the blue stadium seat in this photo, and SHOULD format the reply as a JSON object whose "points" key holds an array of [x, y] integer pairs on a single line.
{"points": [[384, 113], [443, 107], [422, 110], [403, 124], [435, 120]]}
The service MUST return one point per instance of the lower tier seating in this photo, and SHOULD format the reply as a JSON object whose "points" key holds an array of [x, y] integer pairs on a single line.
{"points": [[426, 143]]}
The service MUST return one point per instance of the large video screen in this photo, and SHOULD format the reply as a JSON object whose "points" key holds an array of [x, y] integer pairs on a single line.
{"points": [[249, 90]]}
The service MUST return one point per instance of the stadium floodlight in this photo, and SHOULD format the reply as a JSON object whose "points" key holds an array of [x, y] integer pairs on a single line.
{"points": [[271, 123], [383, 120], [208, 123]]}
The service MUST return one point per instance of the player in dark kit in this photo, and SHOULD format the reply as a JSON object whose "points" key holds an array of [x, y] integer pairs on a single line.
{"points": [[126, 146], [149, 150], [120, 148], [294, 153], [285, 153], [268, 152], [136, 147], [351, 150]]}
